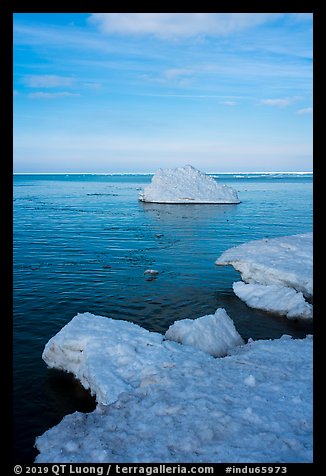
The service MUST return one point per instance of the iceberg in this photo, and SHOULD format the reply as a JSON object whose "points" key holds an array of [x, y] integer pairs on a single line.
{"points": [[167, 402], [279, 271], [186, 185], [214, 334]]}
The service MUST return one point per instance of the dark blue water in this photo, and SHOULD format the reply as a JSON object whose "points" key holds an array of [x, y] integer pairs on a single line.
{"points": [[83, 242]]}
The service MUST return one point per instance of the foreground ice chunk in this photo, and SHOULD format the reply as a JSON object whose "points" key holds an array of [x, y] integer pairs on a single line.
{"points": [[214, 333], [175, 403], [186, 185], [286, 261], [107, 356], [274, 298]]}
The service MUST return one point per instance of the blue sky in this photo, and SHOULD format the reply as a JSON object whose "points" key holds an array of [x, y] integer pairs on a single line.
{"points": [[134, 92]]}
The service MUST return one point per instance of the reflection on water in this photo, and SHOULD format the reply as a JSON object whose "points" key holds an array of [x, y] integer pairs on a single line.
{"points": [[172, 213]]}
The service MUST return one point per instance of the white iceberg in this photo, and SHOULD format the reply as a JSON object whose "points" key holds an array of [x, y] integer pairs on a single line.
{"points": [[186, 185], [167, 402], [283, 262], [274, 298], [214, 334]]}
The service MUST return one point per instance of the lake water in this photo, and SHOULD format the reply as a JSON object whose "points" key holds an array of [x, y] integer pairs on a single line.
{"points": [[83, 242]]}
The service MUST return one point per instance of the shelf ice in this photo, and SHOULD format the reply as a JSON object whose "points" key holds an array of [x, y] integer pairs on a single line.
{"points": [[278, 273], [167, 402], [280, 300], [186, 185]]}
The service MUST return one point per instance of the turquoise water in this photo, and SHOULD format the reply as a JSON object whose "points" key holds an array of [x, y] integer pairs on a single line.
{"points": [[83, 242]]}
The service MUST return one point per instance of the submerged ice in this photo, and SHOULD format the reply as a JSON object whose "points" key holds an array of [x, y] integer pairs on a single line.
{"points": [[167, 402], [186, 185]]}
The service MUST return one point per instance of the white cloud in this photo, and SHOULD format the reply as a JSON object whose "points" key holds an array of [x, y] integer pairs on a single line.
{"points": [[167, 25], [177, 73], [176, 76], [279, 102], [228, 103], [133, 152], [43, 95], [305, 110], [93, 85], [134, 143], [199, 96], [276, 102], [47, 81]]}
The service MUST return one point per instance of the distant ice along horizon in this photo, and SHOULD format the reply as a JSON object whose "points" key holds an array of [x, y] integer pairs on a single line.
{"points": [[187, 185], [263, 172]]}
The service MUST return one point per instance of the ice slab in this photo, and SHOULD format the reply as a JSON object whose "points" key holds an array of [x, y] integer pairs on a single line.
{"points": [[108, 356], [285, 261], [274, 298], [278, 273], [186, 185]]}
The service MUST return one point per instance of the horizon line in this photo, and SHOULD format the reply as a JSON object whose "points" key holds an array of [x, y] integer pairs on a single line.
{"points": [[152, 173]]}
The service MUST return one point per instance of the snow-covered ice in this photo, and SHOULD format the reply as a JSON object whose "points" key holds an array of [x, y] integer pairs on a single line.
{"points": [[274, 298], [286, 261], [214, 334], [108, 356], [186, 185], [275, 263], [166, 402]]}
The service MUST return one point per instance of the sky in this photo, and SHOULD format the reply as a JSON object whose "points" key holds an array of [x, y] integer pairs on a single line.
{"points": [[135, 92]]}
